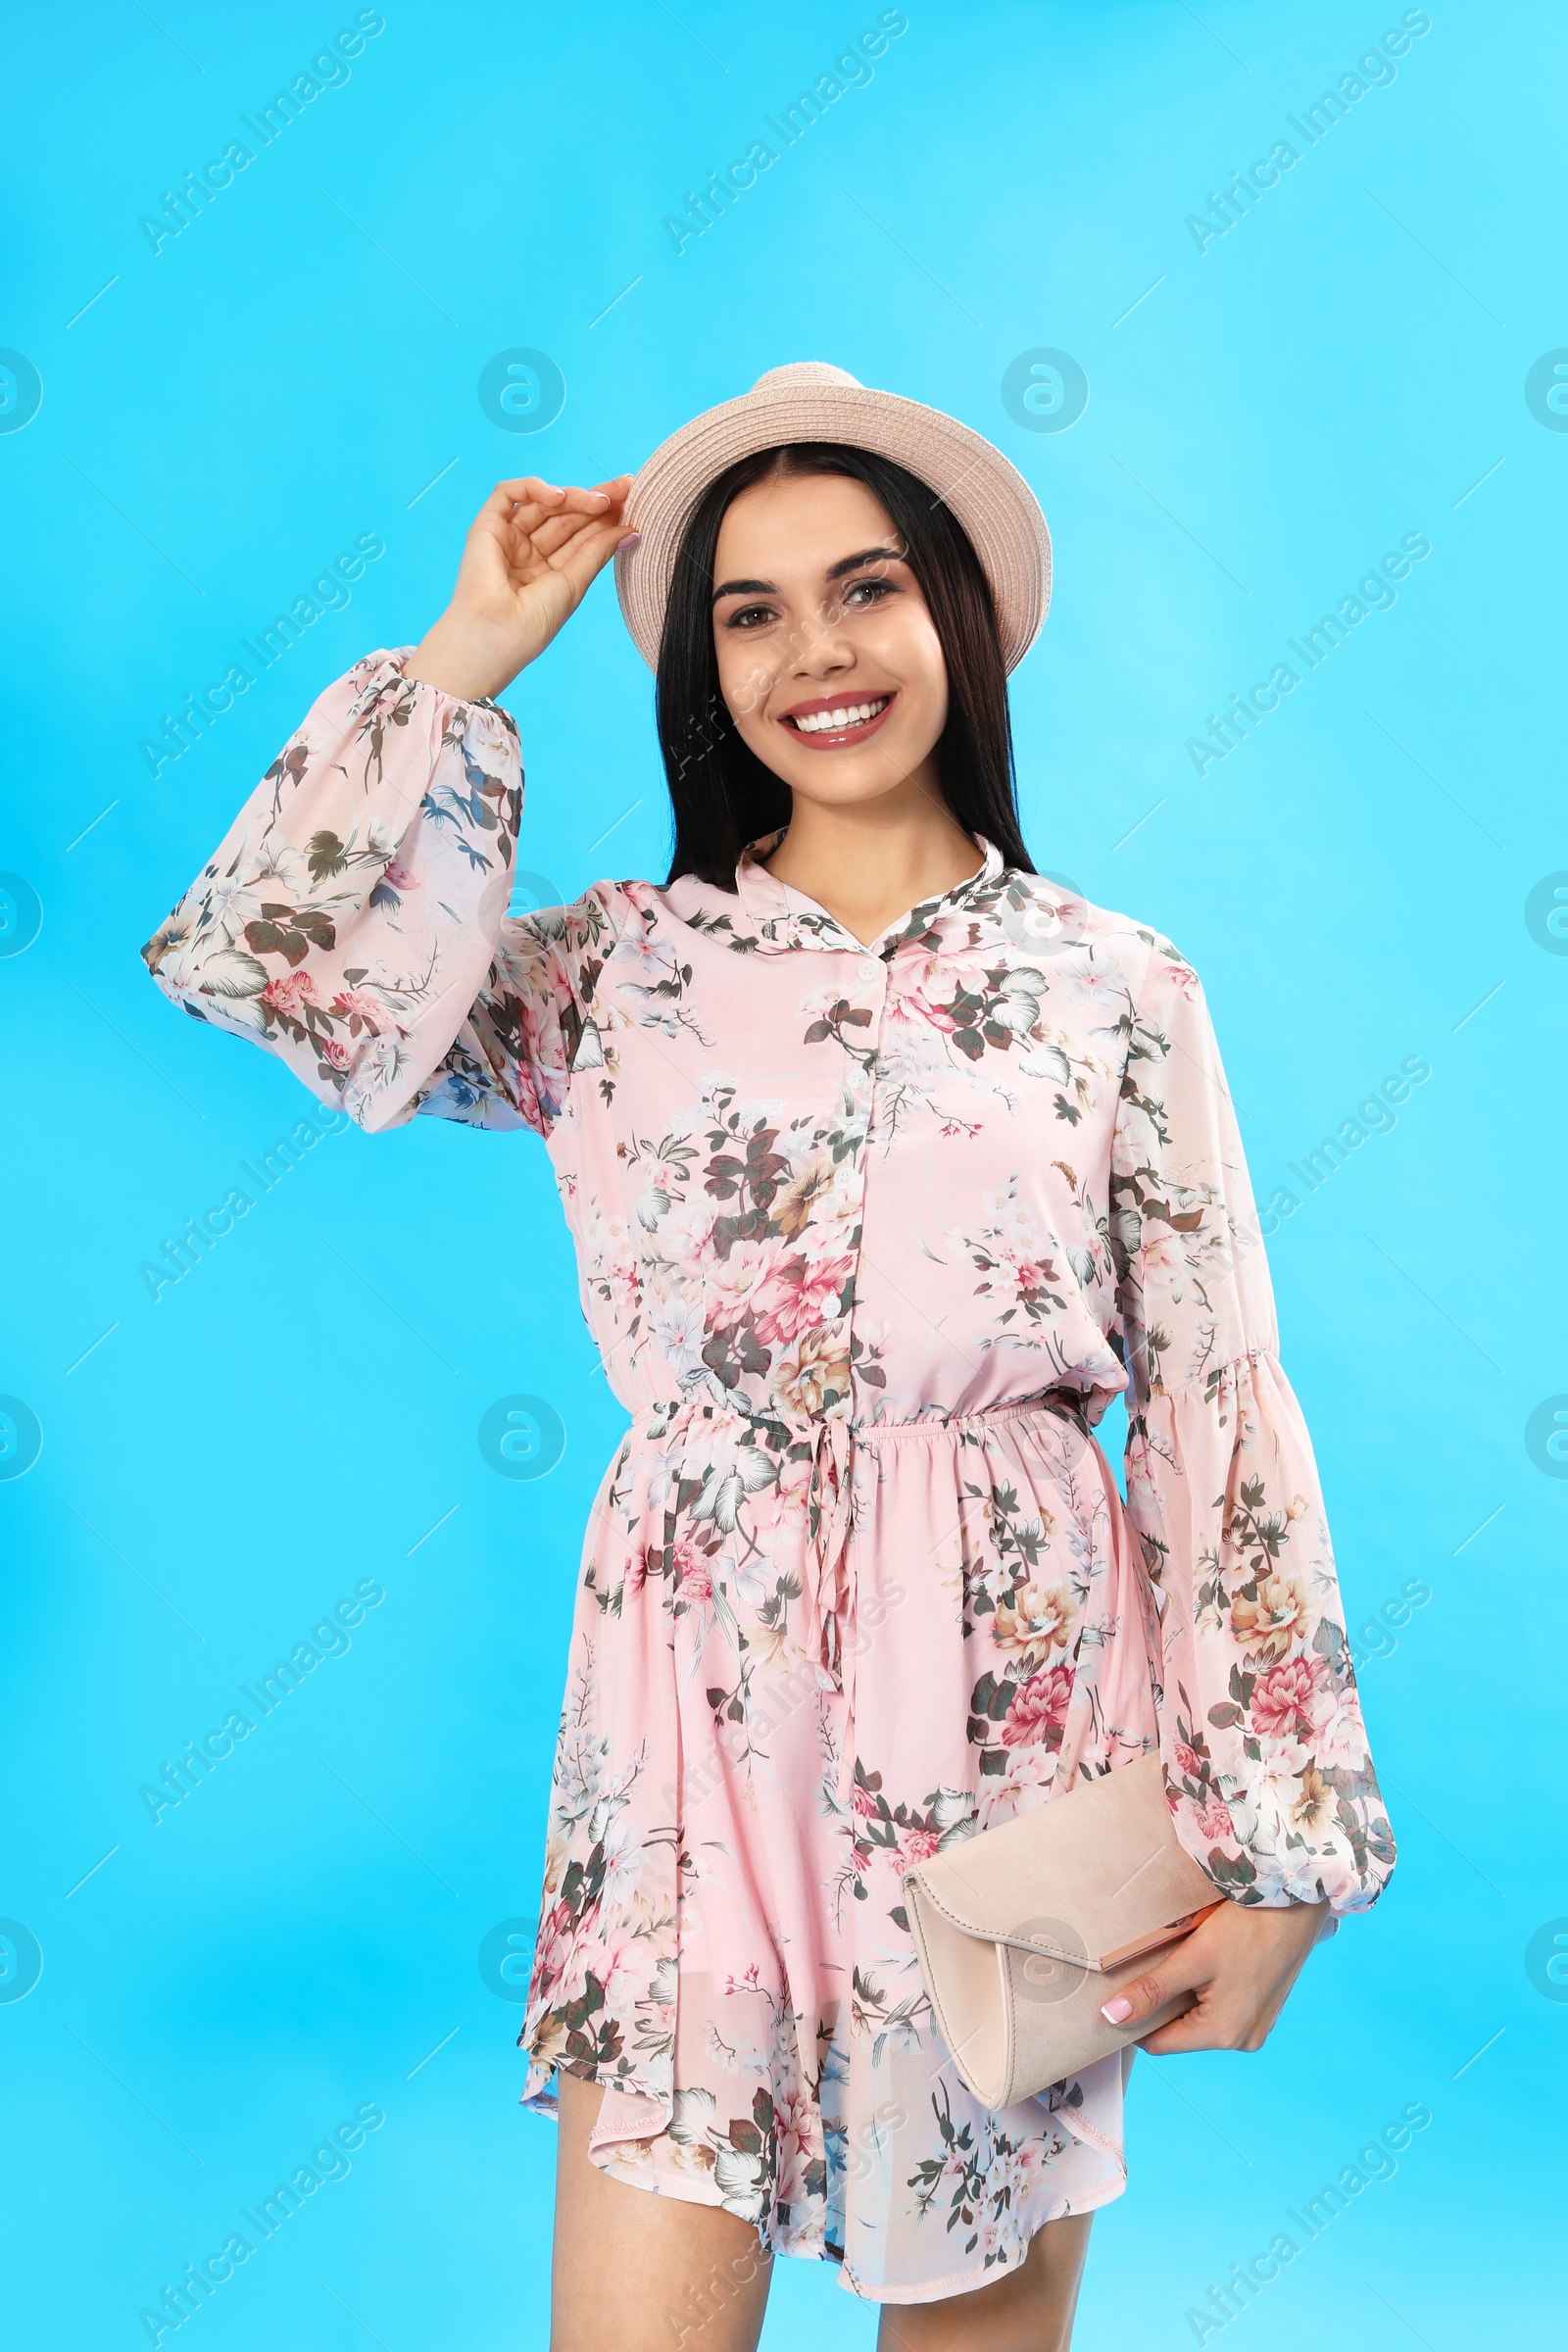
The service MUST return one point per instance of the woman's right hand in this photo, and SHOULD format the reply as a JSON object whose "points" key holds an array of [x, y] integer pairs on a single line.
{"points": [[530, 557]]}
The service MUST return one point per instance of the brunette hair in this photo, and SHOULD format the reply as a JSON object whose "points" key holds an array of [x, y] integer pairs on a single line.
{"points": [[721, 794]]}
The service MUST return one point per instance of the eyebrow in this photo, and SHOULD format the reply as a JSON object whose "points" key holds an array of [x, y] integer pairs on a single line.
{"points": [[835, 572]]}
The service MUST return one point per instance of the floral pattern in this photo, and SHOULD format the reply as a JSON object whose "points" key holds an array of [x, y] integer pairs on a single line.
{"points": [[869, 1237]]}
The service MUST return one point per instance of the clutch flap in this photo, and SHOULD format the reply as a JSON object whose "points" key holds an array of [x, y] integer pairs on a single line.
{"points": [[1087, 1877]]}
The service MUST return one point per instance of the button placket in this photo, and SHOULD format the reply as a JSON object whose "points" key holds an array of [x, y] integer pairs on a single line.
{"points": [[870, 989]]}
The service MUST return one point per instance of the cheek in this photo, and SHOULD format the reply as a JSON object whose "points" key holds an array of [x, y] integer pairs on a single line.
{"points": [[745, 675], [905, 641]]}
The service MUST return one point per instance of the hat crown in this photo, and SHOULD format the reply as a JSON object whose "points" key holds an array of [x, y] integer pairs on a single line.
{"points": [[799, 373]]}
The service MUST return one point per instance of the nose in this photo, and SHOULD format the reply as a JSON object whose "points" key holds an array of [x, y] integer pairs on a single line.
{"points": [[821, 645]]}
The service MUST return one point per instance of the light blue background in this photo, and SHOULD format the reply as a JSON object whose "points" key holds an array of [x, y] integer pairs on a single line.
{"points": [[220, 1466]]}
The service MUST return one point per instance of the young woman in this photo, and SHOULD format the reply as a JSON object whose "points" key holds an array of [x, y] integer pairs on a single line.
{"points": [[888, 1164]]}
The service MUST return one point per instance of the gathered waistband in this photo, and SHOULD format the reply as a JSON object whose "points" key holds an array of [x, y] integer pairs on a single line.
{"points": [[810, 1428], [829, 1440]]}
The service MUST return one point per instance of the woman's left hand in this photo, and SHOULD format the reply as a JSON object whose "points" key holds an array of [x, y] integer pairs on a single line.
{"points": [[1240, 1962]]}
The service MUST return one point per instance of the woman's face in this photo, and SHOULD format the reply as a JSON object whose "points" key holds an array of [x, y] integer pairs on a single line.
{"points": [[828, 657]]}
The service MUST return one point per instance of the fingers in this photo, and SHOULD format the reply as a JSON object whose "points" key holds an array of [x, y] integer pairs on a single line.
{"points": [[585, 556], [1240, 1963], [1179, 1970], [558, 530], [1206, 2026], [528, 499]]}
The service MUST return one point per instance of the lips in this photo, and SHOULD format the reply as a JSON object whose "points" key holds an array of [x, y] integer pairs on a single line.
{"points": [[833, 721]]}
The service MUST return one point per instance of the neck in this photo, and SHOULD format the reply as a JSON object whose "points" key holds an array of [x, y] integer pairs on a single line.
{"points": [[869, 861]]}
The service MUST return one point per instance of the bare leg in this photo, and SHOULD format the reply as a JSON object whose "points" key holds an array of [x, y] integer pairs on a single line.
{"points": [[642, 2272], [1029, 2310]]}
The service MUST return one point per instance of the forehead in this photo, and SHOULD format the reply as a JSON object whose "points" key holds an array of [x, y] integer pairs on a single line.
{"points": [[793, 526]]}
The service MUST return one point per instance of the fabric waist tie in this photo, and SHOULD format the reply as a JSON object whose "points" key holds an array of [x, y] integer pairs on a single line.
{"points": [[828, 1584]]}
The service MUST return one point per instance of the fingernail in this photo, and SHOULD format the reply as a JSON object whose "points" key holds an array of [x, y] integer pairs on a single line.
{"points": [[630, 539], [1116, 2012]]}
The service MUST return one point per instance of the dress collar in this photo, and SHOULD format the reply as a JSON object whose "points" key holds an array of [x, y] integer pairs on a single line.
{"points": [[787, 917]]}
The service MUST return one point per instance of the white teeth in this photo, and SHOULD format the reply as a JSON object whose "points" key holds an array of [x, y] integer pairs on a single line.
{"points": [[853, 715]]}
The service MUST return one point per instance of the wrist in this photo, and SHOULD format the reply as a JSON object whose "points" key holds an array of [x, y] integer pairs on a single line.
{"points": [[463, 657]]}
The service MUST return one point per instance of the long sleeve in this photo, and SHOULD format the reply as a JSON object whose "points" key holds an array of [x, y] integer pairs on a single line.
{"points": [[353, 920], [1265, 1755]]}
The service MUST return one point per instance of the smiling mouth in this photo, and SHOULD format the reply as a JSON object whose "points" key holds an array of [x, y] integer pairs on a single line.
{"points": [[829, 725]]}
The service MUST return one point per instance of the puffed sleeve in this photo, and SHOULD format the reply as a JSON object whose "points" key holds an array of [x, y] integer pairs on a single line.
{"points": [[353, 920], [1265, 1755]]}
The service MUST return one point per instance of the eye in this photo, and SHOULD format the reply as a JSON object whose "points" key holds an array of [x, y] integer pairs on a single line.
{"points": [[869, 591], [749, 616]]}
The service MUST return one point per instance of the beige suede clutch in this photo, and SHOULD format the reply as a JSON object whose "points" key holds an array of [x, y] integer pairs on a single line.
{"points": [[1024, 1929]]}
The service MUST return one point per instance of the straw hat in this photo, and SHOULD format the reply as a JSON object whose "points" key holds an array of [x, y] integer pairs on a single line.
{"points": [[810, 401]]}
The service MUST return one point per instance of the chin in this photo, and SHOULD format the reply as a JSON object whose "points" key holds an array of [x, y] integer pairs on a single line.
{"points": [[848, 784]]}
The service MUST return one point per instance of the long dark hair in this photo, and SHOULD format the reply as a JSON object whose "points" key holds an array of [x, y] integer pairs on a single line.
{"points": [[721, 794]]}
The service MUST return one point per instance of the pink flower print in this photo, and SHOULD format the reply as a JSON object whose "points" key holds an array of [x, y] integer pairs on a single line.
{"points": [[735, 1282], [1161, 1259], [554, 1943], [1215, 1822], [695, 1577], [799, 1295], [354, 1005], [1042, 1702], [1187, 1762], [917, 1845], [398, 877], [918, 996], [1284, 1699], [289, 993]]}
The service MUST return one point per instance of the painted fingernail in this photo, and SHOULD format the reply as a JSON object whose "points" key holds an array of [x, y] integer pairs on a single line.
{"points": [[1116, 2012], [631, 540]]}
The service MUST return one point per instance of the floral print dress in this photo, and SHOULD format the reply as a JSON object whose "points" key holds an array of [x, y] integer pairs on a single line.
{"points": [[869, 1237]]}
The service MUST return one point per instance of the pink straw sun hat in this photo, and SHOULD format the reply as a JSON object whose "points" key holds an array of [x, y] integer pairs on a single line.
{"points": [[810, 401]]}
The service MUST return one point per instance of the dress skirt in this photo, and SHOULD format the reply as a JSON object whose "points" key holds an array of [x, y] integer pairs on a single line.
{"points": [[952, 1626]]}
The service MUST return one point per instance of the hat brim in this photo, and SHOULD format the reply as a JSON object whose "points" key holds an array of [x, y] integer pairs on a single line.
{"points": [[985, 493]]}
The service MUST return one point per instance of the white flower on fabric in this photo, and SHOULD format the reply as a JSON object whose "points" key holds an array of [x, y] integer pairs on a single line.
{"points": [[624, 1861], [679, 1330], [233, 903], [379, 1064], [692, 2111], [1342, 1733], [1093, 980], [281, 862], [743, 2180]]}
